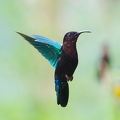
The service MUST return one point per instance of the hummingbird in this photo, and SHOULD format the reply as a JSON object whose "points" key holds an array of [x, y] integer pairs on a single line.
{"points": [[63, 57]]}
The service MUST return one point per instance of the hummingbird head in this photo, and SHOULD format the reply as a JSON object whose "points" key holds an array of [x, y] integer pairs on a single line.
{"points": [[69, 41], [71, 37]]}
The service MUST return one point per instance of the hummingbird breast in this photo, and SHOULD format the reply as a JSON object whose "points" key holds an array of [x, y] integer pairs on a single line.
{"points": [[66, 66], [70, 48]]}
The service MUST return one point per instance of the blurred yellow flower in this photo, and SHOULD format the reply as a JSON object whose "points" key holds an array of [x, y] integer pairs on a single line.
{"points": [[116, 91]]}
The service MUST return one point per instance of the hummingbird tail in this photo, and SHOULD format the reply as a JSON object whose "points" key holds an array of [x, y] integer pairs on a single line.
{"points": [[62, 92]]}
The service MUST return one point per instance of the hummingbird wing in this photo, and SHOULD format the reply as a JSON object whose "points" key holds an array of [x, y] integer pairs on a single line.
{"points": [[50, 49]]}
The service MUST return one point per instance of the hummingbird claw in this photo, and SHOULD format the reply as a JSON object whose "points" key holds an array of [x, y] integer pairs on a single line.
{"points": [[69, 78]]}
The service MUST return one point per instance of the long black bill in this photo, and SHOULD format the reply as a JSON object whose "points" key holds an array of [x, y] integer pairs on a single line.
{"points": [[84, 31]]}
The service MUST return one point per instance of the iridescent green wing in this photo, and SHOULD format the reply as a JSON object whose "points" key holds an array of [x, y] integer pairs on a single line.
{"points": [[50, 49]]}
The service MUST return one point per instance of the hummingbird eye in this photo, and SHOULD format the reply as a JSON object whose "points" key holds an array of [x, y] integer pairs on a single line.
{"points": [[69, 35]]}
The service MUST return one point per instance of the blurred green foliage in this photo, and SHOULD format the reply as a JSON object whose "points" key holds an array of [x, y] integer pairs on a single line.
{"points": [[27, 79]]}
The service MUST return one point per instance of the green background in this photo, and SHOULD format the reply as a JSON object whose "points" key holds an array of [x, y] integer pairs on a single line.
{"points": [[27, 79]]}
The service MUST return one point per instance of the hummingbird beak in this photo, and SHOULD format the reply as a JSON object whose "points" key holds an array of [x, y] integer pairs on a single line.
{"points": [[78, 33], [84, 31]]}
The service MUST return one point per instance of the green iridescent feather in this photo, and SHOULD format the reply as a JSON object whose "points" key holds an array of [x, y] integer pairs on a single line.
{"points": [[50, 49]]}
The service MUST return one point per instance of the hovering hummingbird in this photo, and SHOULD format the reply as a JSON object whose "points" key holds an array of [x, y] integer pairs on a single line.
{"points": [[63, 58]]}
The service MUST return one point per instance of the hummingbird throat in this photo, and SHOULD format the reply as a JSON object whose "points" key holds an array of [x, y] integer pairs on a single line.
{"points": [[70, 49]]}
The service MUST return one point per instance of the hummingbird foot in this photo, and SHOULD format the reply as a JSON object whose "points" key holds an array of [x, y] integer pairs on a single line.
{"points": [[69, 78]]}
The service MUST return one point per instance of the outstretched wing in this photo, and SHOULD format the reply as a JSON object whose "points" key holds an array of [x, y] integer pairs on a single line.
{"points": [[50, 49]]}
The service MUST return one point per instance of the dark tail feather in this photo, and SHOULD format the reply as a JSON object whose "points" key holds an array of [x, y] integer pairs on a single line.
{"points": [[62, 92]]}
